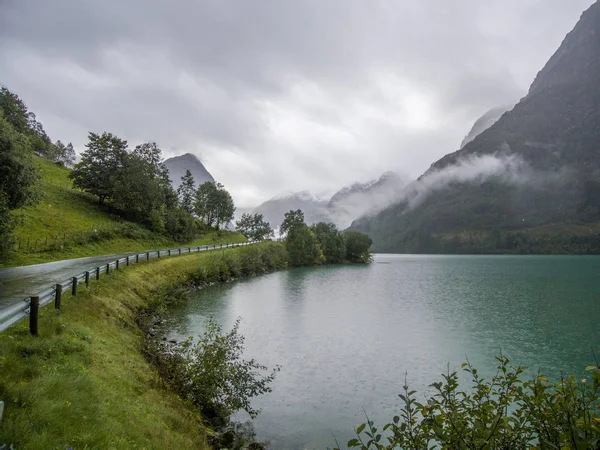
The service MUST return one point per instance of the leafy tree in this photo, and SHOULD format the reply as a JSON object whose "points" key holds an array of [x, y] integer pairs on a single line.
{"points": [[331, 242], [254, 227], [18, 178], [214, 205], [187, 192], [17, 171], [357, 246], [15, 111], [291, 220], [100, 166], [303, 247], [151, 155], [63, 154]]}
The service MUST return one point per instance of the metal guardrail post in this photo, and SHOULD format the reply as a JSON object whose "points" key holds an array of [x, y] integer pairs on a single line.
{"points": [[97, 273], [87, 278], [179, 252], [107, 268], [169, 252], [117, 264], [74, 289], [34, 308], [147, 256], [58, 296], [158, 253], [127, 261]]}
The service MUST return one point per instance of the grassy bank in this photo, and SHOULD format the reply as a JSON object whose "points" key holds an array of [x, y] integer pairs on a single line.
{"points": [[84, 383], [68, 223]]}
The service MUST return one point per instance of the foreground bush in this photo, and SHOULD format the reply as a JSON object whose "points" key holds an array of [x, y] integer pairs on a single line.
{"points": [[503, 413]]}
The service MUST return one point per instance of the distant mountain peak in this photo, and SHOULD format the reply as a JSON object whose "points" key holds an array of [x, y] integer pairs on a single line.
{"points": [[178, 165]]}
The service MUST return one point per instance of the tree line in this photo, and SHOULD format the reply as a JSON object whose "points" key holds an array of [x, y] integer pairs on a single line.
{"points": [[321, 243], [137, 184]]}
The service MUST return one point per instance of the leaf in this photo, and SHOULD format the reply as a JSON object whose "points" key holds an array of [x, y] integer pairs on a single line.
{"points": [[353, 443], [590, 368], [361, 428]]}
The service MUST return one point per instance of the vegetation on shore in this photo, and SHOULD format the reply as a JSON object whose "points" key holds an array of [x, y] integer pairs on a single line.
{"points": [[84, 382], [322, 243], [506, 412]]}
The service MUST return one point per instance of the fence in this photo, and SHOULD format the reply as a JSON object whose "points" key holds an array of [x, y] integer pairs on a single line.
{"points": [[30, 306]]}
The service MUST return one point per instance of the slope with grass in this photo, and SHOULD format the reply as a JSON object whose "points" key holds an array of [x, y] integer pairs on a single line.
{"points": [[68, 223], [84, 382]]}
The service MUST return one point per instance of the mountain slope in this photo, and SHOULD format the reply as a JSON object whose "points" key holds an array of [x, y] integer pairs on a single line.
{"points": [[364, 198], [179, 164], [546, 155], [484, 122]]}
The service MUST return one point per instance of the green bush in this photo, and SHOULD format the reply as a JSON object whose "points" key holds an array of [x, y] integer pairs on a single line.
{"points": [[506, 412], [213, 376]]}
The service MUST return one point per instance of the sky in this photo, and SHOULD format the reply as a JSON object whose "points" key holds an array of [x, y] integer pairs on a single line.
{"points": [[279, 95]]}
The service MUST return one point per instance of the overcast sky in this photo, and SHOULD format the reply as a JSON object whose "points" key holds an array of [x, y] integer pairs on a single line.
{"points": [[278, 95]]}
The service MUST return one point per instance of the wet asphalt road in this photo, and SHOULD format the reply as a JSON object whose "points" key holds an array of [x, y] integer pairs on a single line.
{"points": [[16, 283]]}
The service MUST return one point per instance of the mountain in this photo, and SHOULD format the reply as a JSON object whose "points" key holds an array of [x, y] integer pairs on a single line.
{"points": [[528, 183], [314, 208], [179, 164], [484, 122], [361, 199], [345, 205]]}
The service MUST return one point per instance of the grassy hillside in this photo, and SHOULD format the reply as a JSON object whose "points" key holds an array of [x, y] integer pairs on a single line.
{"points": [[68, 223]]}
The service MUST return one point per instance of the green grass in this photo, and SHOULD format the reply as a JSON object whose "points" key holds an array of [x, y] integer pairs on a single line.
{"points": [[62, 209], [68, 223], [83, 383]]}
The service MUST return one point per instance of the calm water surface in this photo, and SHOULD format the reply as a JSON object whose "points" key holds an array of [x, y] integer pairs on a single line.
{"points": [[345, 336]]}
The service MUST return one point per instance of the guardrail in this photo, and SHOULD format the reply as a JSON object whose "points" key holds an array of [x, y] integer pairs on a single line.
{"points": [[30, 305]]}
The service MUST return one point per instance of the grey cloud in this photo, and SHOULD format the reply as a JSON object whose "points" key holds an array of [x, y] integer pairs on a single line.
{"points": [[279, 95]]}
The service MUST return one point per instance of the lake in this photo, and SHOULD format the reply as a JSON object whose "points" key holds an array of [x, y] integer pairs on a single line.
{"points": [[346, 336]]}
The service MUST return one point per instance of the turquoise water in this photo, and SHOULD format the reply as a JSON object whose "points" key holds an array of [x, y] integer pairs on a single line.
{"points": [[346, 336]]}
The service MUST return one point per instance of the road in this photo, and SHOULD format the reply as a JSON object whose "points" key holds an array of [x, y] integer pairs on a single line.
{"points": [[16, 283]]}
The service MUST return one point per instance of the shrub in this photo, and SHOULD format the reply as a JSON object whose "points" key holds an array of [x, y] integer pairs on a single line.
{"points": [[215, 377], [503, 413]]}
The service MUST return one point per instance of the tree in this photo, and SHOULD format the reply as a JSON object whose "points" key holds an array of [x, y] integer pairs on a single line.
{"points": [[63, 154], [18, 179], [357, 246], [187, 192], [302, 246], [291, 220], [331, 242], [214, 205], [254, 227], [151, 155], [101, 165], [17, 172], [15, 111]]}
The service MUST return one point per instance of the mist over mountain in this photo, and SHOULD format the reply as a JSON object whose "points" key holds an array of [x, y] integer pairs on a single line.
{"points": [[342, 208], [179, 164], [537, 167], [484, 122]]}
